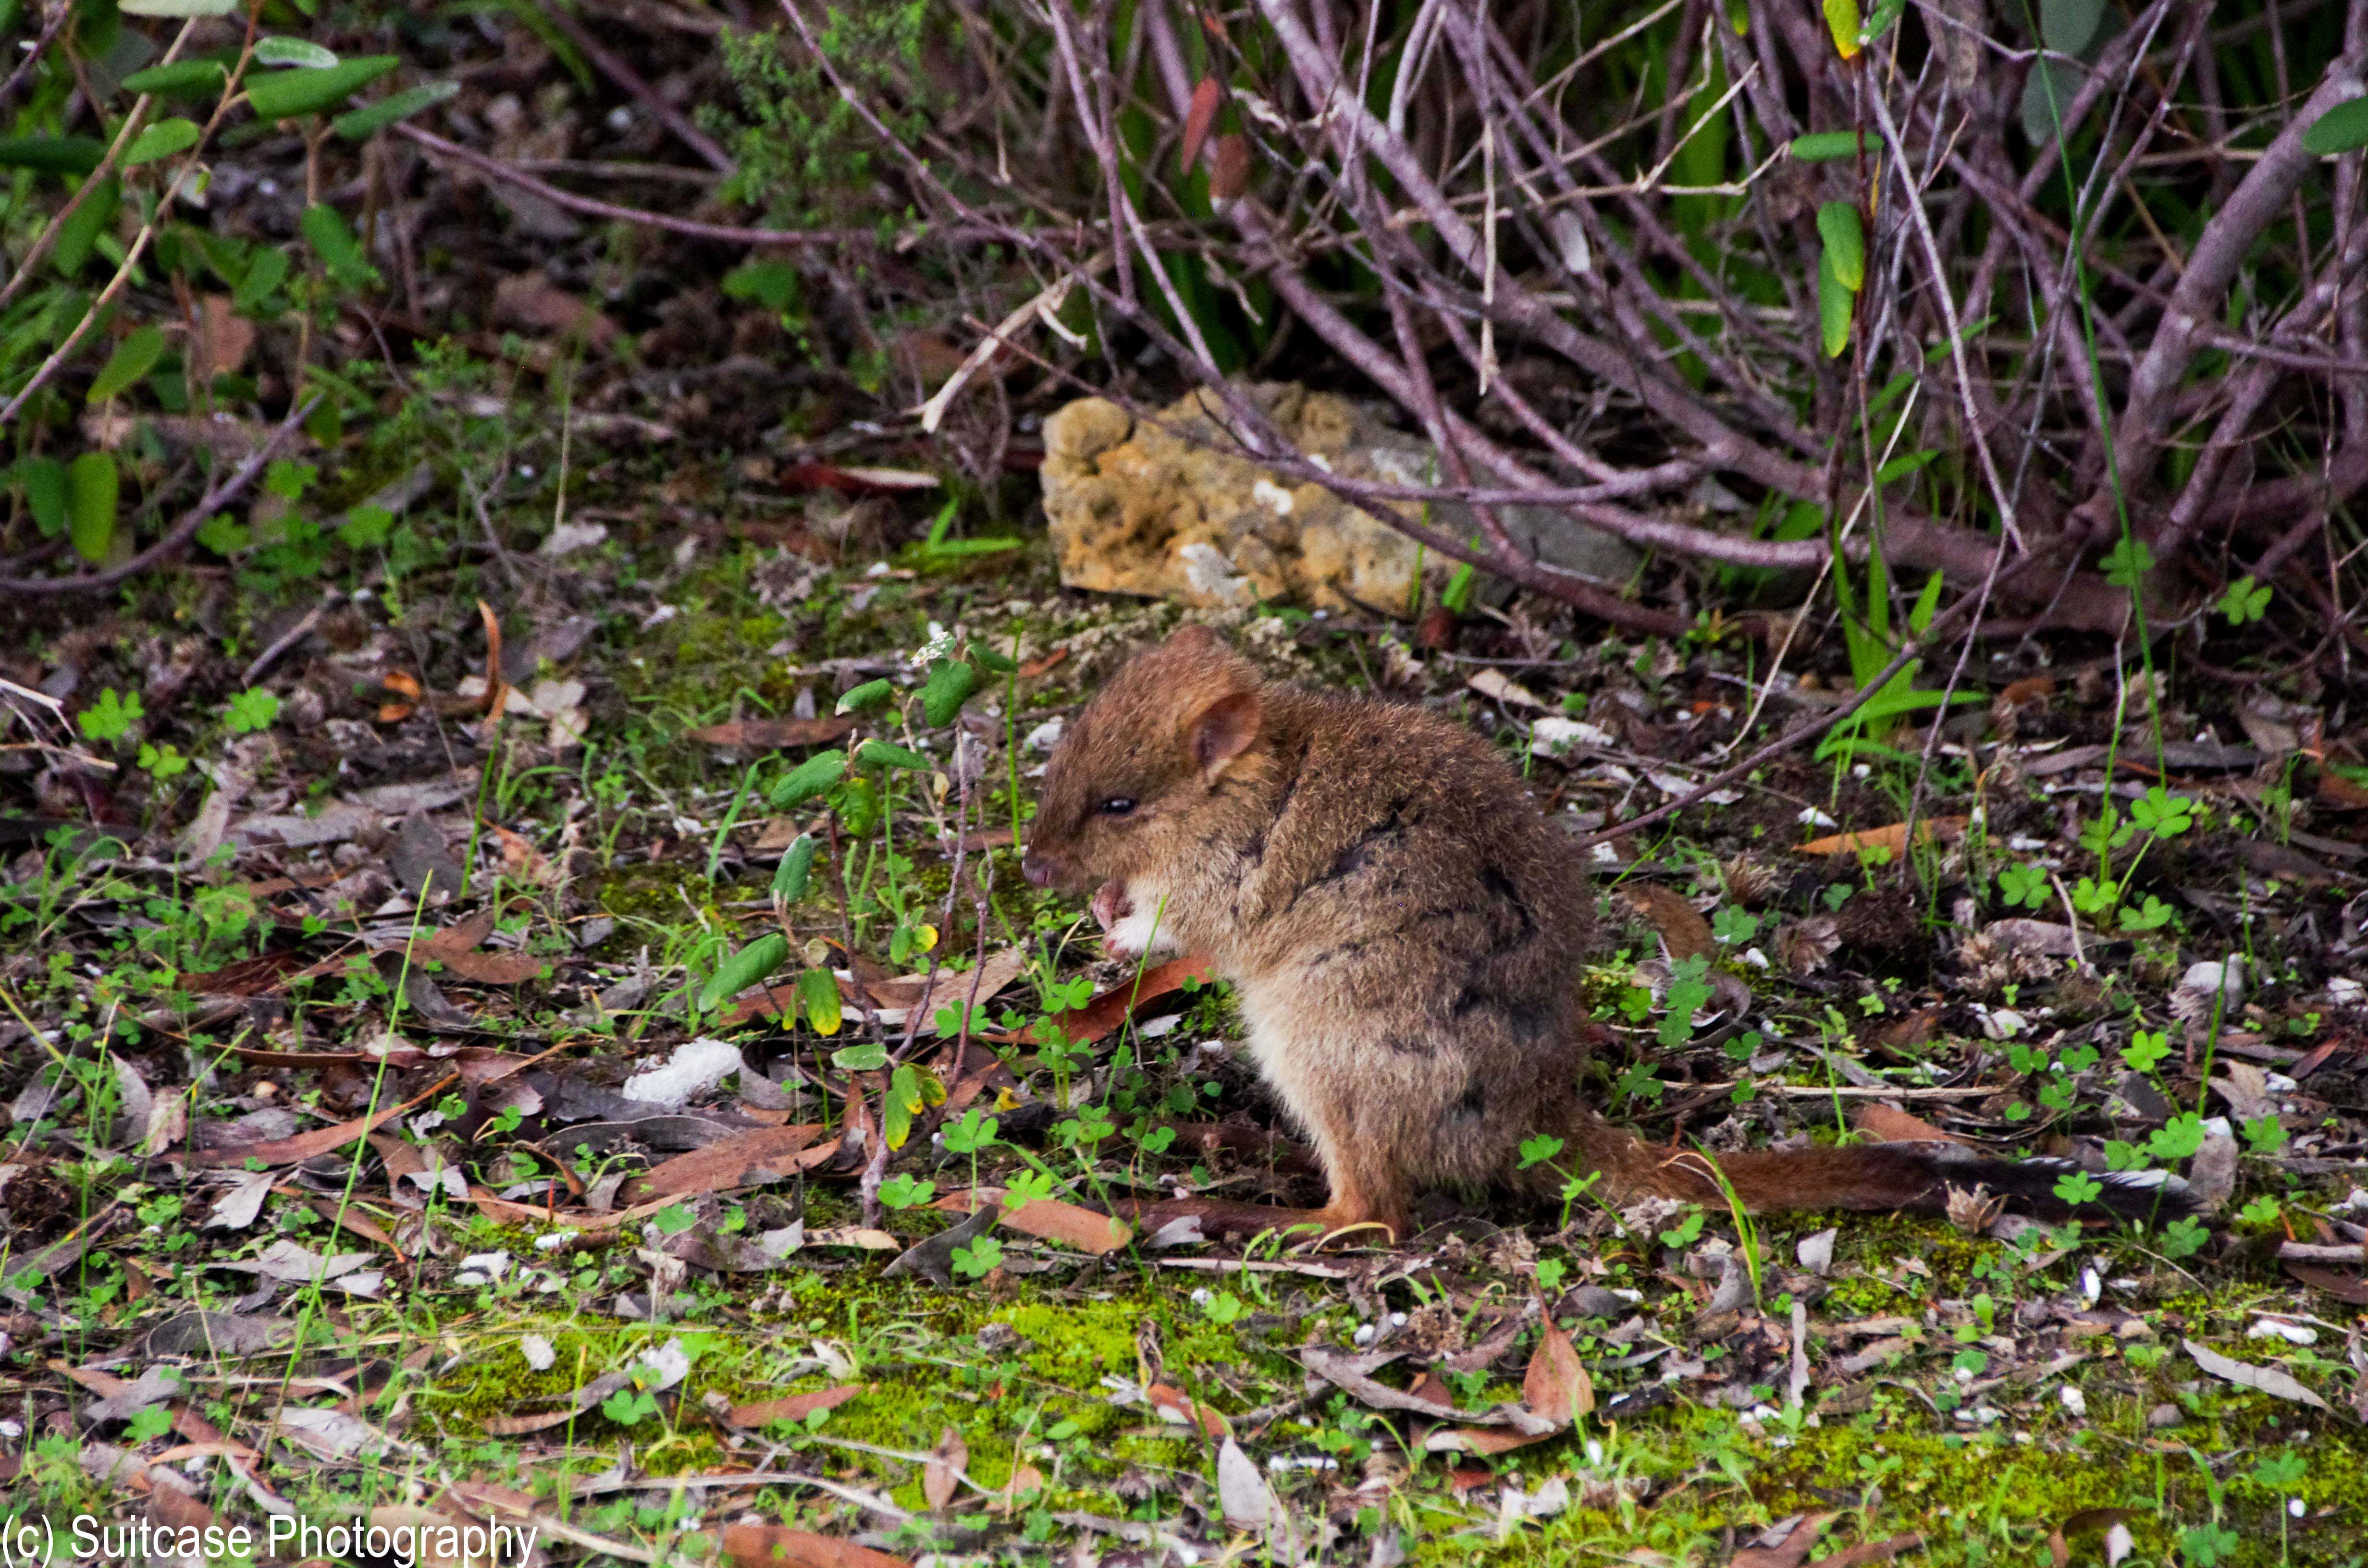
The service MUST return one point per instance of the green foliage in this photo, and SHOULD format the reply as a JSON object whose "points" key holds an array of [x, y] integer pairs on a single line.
{"points": [[790, 879], [1824, 146], [252, 711], [862, 699], [2243, 601], [133, 358], [748, 967], [1845, 239], [287, 94], [111, 717], [2023, 885], [804, 155], [93, 491], [809, 778]]}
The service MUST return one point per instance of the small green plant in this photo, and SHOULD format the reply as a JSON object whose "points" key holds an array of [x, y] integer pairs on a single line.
{"points": [[251, 712], [111, 717]]}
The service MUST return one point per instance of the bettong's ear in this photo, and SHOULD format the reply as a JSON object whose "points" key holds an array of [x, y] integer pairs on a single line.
{"points": [[1222, 729]]}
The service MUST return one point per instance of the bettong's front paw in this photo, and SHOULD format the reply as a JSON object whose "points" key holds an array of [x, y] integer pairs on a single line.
{"points": [[1114, 912]]}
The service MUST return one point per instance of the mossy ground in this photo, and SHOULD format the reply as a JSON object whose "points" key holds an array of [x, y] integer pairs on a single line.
{"points": [[1964, 1435], [1677, 1482]]}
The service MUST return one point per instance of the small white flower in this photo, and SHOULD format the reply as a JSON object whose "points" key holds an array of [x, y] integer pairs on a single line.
{"points": [[2074, 1400], [939, 645], [1812, 817]]}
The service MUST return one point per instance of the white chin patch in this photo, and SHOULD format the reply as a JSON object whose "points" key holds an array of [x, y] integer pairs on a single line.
{"points": [[1138, 932]]}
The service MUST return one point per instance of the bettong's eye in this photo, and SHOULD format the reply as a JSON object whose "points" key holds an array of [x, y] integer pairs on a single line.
{"points": [[1118, 806]]}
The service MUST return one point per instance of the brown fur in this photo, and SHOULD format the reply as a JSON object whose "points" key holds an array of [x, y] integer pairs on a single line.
{"points": [[1404, 929]]}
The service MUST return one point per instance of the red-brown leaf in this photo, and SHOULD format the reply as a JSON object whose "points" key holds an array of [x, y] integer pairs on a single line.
{"points": [[1085, 1024], [759, 1153], [777, 1546], [1207, 96], [793, 1408], [774, 733], [1230, 176], [1557, 1386]]}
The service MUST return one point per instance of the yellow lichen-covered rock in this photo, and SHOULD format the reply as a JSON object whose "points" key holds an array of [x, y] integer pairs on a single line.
{"points": [[1170, 507]]}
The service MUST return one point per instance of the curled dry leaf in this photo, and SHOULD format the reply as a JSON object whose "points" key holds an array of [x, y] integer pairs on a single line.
{"points": [[1171, 1405], [1945, 830], [1803, 945]]}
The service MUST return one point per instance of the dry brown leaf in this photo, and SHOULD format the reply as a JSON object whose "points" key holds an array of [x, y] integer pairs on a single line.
{"points": [[774, 733], [222, 341], [744, 1159], [1025, 1478], [2349, 1287], [496, 968], [942, 1475], [1231, 173], [794, 1407], [1557, 1386], [1555, 1391], [306, 1145], [1889, 1124], [531, 301], [2338, 792], [2244, 1374], [1684, 933], [501, 1210], [1085, 1024], [1049, 1219], [1947, 830], [1207, 96], [1871, 1551]]}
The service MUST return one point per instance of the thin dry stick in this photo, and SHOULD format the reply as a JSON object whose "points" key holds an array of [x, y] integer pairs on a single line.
{"points": [[58, 11], [220, 495], [722, 233], [617, 71]]}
